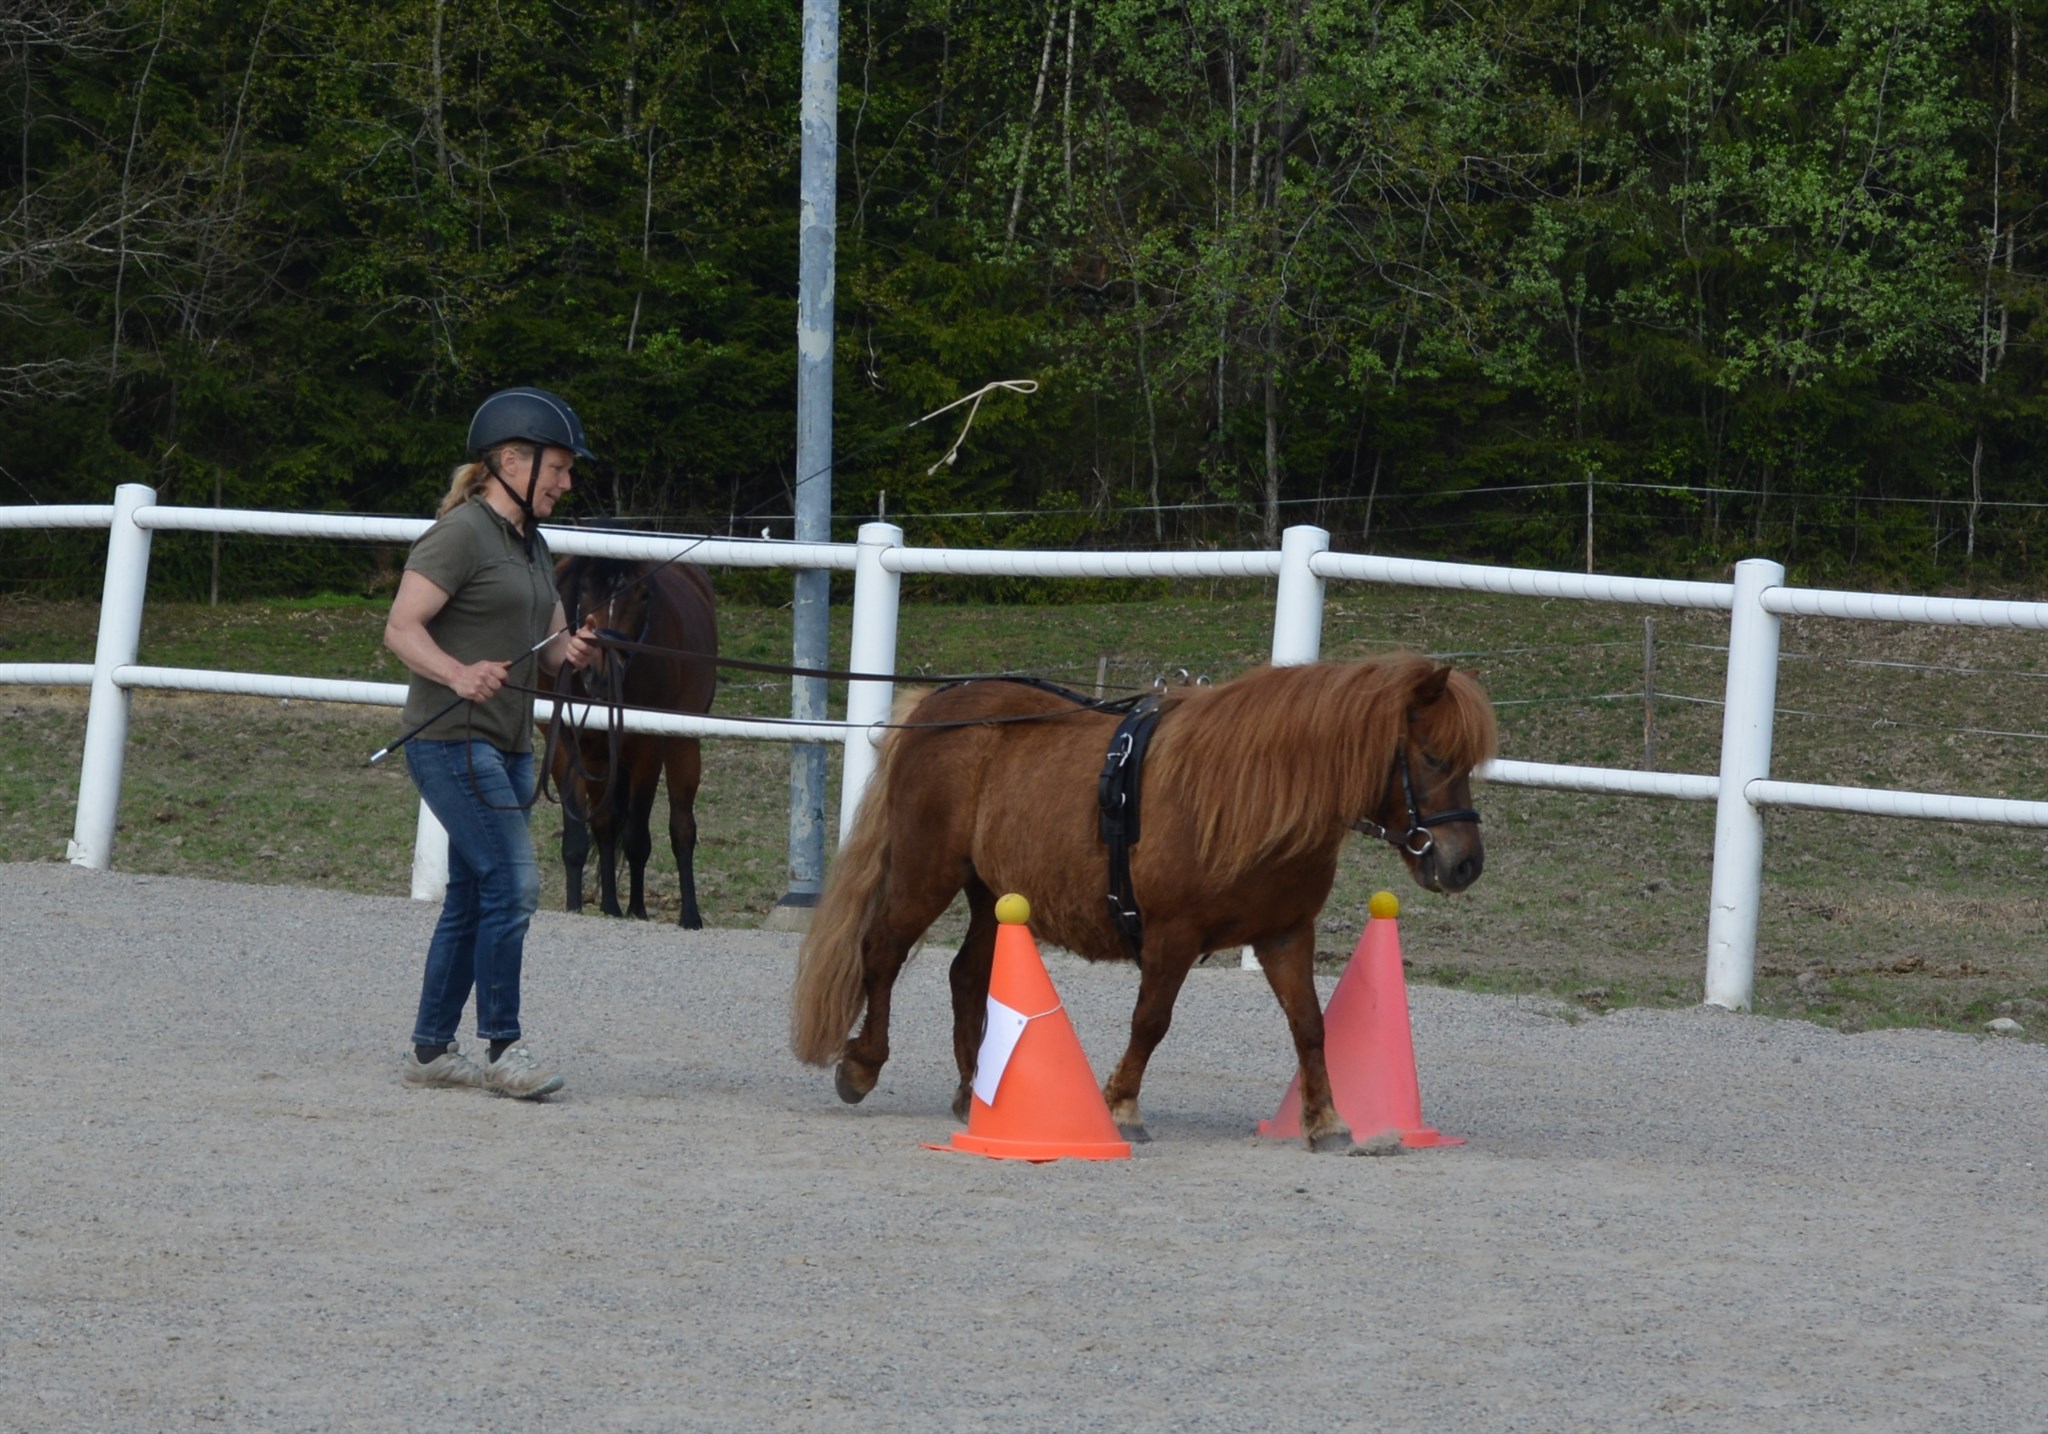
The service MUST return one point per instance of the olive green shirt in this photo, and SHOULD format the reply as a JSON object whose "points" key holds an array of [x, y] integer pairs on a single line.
{"points": [[500, 603]]}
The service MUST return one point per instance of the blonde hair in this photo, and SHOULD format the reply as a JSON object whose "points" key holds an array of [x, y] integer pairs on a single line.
{"points": [[468, 480]]}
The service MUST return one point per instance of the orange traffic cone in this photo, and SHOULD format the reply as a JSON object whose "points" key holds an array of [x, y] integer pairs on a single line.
{"points": [[1368, 1044], [1034, 1095]]}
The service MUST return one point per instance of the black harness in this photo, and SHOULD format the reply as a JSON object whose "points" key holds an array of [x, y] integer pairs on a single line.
{"points": [[1116, 796]]}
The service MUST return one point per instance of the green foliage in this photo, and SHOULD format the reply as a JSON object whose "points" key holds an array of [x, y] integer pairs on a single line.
{"points": [[1760, 278]]}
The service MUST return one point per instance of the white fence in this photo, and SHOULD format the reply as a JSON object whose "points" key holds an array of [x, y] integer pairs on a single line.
{"points": [[1742, 787]]}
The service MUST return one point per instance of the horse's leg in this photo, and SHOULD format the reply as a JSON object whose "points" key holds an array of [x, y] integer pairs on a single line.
{"points": [[1289, 961], [969, 977], [914, 902], [642, 773], [1165, 966], [685, 769], [605, 822], [575, 841]]}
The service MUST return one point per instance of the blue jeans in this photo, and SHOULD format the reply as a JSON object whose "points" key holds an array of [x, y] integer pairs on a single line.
{"points": [[476, 790]]}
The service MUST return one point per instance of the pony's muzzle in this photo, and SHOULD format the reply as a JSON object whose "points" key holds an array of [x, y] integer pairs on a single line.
{"points": [[1439, 873]]}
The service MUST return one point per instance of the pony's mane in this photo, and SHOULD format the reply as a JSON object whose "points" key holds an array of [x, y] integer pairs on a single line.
{"points": [[1275, 763]]}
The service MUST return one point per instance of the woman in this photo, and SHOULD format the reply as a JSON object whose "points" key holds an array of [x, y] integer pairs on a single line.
{"points": [[476, 620]]}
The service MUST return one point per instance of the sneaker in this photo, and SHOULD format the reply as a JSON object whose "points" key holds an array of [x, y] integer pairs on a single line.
{"points": [[516, 1073], [451, 1067]]}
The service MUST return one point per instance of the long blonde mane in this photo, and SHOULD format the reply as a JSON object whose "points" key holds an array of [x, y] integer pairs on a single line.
{"points": [[1275, 762]]}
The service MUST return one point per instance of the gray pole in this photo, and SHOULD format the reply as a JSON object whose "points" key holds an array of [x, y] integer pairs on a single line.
{"points": [[818, 187]]}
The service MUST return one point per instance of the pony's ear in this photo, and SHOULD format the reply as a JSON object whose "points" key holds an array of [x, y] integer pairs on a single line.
{"points": [[1431, 688]]}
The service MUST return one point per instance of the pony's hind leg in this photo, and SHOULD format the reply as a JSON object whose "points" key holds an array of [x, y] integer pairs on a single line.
{"points": [[1289, 963], [1165, 966], [890, 938], [968, 976]]}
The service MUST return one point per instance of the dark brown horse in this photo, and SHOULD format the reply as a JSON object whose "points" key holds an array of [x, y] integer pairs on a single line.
{"points": [[1248, 791], [608, 779]]}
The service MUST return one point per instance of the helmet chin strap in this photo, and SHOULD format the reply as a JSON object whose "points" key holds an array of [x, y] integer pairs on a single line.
{"points": [[524, 500]]}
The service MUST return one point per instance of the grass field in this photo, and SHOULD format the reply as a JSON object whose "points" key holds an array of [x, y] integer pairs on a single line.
{"points": [[1602, 900]]}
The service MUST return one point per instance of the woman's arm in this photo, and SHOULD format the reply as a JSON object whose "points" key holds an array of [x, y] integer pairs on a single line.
{"points": [[405, 633]]}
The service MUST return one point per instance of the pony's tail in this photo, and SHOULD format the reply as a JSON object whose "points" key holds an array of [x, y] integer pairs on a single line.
{"points": [[830, 984]]}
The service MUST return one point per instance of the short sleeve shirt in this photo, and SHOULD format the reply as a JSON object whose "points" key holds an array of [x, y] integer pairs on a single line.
{"points": [[500, 603]]}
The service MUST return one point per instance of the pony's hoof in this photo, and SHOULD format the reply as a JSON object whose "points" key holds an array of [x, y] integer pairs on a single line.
{"points": [[1337, 1142], [963, 1101], [690, 921], [849, 1092], [1136, 1134]]}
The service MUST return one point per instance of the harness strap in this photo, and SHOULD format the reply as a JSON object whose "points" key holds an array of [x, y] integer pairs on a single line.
{"points": [[1116, 796]]}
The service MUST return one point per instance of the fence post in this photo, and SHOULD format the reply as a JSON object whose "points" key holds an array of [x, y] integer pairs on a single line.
{"points": [[1297, 619], [106, 717], [876, 595], [1298, 603], [1746, 719], [429, 857]]}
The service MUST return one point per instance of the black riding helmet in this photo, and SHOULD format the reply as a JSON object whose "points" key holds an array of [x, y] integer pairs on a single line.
{"points": [[532, 414], [526, 415]]}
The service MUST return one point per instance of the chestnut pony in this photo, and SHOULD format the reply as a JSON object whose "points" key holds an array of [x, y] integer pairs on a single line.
{"points": [[608, 778], [1247, 793]]}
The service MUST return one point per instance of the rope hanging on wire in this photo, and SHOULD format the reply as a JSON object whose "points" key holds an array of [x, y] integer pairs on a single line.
{"points": [[1025, 386]]}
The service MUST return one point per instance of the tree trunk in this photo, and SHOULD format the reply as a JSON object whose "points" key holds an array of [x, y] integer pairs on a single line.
{"points": [[1024, 149]]}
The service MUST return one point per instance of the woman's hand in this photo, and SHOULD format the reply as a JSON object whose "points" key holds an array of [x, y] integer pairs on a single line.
{"points": [[579, 647], [479, 681]]}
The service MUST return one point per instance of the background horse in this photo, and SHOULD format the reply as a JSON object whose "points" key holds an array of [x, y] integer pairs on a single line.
{"points": [[607, 779], [1247, 793]]}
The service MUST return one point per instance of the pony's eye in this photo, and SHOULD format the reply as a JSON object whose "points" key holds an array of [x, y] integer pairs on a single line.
{"points": [[1435, 764]]}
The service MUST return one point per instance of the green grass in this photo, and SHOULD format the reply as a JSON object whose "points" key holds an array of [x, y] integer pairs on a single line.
{"points": [[1597, 901]]}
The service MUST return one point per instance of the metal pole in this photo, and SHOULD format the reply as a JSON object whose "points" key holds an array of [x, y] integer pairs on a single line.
{"points": [[818, 198], [1752, 698], [873, 649], [106, 716]]}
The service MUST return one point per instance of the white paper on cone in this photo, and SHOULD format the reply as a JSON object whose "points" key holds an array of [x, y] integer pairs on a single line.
{"points": [[998, 1042]]}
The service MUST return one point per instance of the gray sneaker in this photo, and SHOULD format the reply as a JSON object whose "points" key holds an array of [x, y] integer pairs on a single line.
{"points": [[516, 1073], [451, 1068]]}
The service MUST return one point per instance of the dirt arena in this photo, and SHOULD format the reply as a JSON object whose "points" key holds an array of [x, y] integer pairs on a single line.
{"points": [[220, 1208]]}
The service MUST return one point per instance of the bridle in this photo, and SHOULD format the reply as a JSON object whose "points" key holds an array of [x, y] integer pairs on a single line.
{"points": [[1417, 841]]}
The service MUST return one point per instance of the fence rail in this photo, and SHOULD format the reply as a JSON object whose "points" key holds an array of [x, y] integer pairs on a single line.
{"points": [[1756, 601]]}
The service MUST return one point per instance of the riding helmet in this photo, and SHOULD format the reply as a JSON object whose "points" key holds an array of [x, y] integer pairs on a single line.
{"points": [[531, 415]]}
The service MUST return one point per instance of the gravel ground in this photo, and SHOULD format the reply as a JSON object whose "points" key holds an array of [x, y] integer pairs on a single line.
{"points": [[219, 1207]]}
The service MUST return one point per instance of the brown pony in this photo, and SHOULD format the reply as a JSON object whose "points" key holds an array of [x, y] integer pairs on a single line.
{"points": [[607, 779], [1247, 793]]}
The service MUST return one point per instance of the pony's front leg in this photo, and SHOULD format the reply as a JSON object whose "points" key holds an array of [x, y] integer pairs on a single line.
{"points": [[968, 976], [685, 770], [1289, 961], [604, 825], [575, 852], [1164, 967], [638, 842]]}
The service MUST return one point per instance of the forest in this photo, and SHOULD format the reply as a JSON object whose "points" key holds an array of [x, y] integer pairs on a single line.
{"points": [[1617, 285]]}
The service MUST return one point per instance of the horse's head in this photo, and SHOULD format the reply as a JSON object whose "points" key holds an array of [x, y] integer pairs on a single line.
{"points": [[1426, 809], [608, 591]]}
